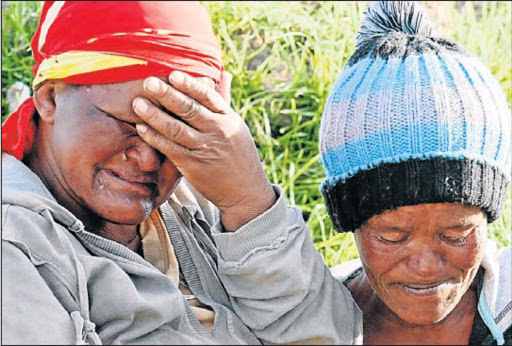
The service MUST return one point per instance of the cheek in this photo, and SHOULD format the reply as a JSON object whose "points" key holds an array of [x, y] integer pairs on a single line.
{"points": [[168, 179], [378, 258], [68, 135], [86, 140], [469, 256], [71, 150]]}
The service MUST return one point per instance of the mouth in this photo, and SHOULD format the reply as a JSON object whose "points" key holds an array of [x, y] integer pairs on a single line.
{"points": [[424, 289], [142, 185]]}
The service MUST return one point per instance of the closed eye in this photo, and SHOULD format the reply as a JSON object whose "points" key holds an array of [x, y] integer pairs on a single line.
{"points": [[453, 240], [387, 240], [459, 238], [393, 235], [130, 124], [125, 123]]}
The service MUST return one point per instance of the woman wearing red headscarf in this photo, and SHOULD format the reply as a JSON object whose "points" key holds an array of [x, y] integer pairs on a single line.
{"points": [[135, 208]]}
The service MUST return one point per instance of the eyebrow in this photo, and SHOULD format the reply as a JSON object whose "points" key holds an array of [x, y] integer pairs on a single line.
{"points": [[459, 225], [397, 229]]}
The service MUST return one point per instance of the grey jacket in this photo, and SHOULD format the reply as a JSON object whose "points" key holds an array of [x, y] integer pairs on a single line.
{"points": [[63, 285]]}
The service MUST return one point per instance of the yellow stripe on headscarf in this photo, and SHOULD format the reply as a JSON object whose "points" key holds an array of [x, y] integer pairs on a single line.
{"points": [[74, 63]]}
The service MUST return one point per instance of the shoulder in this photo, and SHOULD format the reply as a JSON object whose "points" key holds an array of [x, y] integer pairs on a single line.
{"points": [[504, 258], [504, 296], [344, 270], [498, 285], [499, 265], [18, 221], [42, 240]]}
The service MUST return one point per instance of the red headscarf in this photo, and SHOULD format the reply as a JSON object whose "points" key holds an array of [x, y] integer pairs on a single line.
{"points": [[86, 42]]}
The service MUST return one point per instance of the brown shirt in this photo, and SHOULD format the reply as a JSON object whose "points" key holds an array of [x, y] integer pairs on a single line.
{"points": [[158, 250]]}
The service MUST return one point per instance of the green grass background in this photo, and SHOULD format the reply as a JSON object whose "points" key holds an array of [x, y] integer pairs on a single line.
{"points": [[284, 57]]}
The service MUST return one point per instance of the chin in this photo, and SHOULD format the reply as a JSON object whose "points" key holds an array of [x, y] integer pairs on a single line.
{"points": [[421, 316], [131, 214]]}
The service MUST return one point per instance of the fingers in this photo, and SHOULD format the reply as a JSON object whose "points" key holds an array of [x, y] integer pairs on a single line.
{"points": [[225, 86], [198, 91], [173, 151], [166, 125], [178, 103]]}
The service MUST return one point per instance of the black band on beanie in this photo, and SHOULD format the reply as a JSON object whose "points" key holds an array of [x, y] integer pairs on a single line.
{"points": [[353, 201]]}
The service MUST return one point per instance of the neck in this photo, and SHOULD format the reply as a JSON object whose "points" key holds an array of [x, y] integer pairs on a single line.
{"points": [[42, 163], [383, 326], [126, 235]]}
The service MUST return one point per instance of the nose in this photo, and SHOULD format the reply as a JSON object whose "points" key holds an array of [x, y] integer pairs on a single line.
{"points": [[148, 158], [426, 261]]}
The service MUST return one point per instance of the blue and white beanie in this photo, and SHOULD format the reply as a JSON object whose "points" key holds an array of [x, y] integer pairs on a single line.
{"points": [[412, 119]]}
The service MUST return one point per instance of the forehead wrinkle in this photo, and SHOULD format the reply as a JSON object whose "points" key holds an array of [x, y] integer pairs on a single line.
{"points": [[462, 214], [432, 216]]}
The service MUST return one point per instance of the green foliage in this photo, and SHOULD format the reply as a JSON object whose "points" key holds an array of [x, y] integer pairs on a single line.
{"points": [[486, 33], [19, 22], [284, 57]]}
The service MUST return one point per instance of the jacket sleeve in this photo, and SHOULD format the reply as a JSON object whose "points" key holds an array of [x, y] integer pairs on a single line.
{"points": [[30, 312], [278, 282]]}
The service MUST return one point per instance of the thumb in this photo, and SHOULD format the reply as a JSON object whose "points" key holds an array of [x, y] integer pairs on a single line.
{"points": [[225, 86]]}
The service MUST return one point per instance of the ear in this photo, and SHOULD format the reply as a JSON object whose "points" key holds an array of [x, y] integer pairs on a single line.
{"points": [[357, 240], [44, 100], [225, 86]]}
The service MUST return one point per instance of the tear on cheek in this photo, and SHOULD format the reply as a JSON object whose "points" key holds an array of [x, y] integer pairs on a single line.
{"points": [[100, 183], [148, 207]]}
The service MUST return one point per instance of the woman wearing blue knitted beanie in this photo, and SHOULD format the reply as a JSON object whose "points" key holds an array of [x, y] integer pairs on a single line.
{"points": [[416, 144]]}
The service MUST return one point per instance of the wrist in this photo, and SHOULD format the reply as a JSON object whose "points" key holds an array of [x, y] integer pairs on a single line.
{"points": [[234, 217]]}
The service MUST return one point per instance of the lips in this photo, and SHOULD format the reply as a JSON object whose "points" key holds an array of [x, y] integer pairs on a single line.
{"points": [[424, 289], [141, 184], [140, 179]]}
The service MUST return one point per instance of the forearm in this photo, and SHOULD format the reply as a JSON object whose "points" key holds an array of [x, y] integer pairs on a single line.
{"points": [[235, 217], [279, 284]]}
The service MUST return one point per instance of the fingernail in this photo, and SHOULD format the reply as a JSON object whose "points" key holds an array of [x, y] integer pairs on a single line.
{"points": [[177, 76], [140, 105], [152, 85], [142, 128]]}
